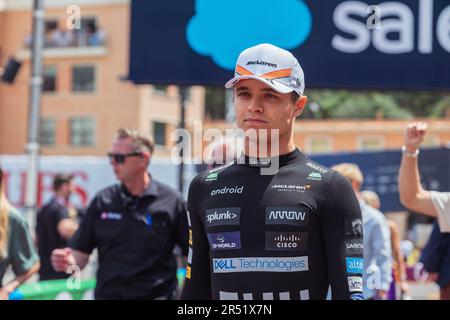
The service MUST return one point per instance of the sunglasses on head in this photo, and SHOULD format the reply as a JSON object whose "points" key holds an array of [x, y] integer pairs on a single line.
{"points": [[121, 157]]}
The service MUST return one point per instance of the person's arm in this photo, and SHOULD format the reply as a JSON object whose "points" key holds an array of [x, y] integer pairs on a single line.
{"points": [[342, 230], [62, 259], [67, 228], [8, 288], [398, 254], [181, 232], [381, 246], [181, 227], [198, 271], [81, 244], [412, 195], [23, 255]]}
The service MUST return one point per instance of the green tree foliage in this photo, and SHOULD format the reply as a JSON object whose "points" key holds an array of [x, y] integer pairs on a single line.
{"points": [[419, 103], [442, 108], [369, 106], [325, 104], [353, 104]]}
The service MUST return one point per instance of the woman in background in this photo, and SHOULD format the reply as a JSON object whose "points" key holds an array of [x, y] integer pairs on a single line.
{"points": [[398, 265], [16, 246]]}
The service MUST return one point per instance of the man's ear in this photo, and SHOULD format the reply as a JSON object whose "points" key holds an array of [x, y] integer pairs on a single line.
{"points": [[356, 185], [146, 157], [300, 105]]}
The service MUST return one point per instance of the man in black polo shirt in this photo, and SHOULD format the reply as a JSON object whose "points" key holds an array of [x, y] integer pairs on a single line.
{"points": [[56, 224], [134, 225]]}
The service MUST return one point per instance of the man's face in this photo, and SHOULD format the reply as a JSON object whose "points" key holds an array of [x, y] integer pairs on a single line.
{"points": [[67, 189], [133, 165], [260, 107]]}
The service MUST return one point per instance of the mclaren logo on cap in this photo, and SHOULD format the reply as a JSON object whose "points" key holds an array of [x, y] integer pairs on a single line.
{"points": [[284, 73], [272, 65], [264, 63]]}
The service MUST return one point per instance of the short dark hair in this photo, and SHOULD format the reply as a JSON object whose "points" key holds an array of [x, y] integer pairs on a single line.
{"points": [[61, 179], [294, 96]]}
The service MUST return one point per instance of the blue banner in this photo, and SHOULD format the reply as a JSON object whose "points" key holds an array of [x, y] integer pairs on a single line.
{"points": [[354, 44]]}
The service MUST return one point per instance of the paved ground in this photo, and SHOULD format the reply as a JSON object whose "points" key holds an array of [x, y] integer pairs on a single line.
{"points": [[424, 291]]}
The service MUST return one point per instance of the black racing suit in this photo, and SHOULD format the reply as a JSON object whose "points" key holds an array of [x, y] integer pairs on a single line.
{"points": [[290, 235]]}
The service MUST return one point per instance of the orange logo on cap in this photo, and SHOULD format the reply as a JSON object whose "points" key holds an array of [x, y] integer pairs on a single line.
{"points": [[270, 75]]}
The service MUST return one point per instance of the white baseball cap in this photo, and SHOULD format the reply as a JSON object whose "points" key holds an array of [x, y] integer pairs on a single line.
{"points": [[274, 66]]}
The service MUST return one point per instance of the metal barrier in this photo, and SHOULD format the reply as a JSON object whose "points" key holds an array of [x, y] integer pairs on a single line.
{"points": [[55, 290], [65, 289]]}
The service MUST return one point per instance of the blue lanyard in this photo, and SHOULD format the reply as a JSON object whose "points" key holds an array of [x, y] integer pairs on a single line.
{"points": [[148, 220]]}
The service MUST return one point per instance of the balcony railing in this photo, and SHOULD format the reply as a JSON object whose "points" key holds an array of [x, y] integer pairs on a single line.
{"points": [[69, 44], [70, 38]]}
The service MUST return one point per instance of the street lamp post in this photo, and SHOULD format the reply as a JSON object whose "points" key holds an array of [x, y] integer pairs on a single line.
{"points": [[32, 146], [182, 125]]}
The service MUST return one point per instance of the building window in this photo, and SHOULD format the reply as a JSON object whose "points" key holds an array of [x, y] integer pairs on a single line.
{"points": [[319, 144], [371, 143], [56, 35], [83, 78], [88, 22], [51, 24], [47, 131], [159, 133], [50, 27], [90, 33], [49, 79], [215, 103], [82, 131]]}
